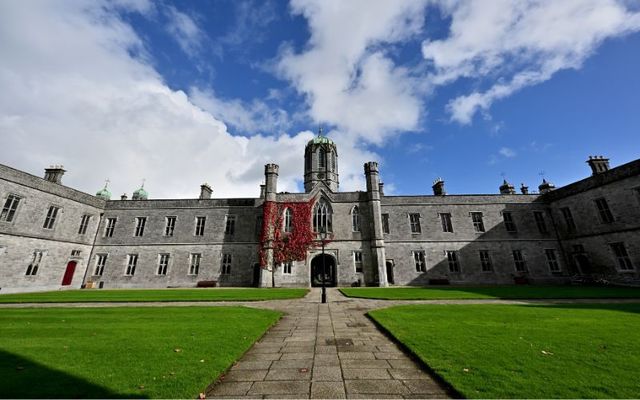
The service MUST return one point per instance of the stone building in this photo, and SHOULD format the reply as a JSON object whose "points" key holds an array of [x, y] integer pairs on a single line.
{"points": [[53, 237]]}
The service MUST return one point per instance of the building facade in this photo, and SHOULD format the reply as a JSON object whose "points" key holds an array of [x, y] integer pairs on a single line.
{"points": [[54, 237]]}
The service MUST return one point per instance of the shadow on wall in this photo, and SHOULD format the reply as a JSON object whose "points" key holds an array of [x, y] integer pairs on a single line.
{"points": [[500, 244], [23, 378]]}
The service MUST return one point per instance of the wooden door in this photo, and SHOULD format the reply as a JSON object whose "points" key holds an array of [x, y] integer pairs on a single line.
{"points": [[68, 273]]}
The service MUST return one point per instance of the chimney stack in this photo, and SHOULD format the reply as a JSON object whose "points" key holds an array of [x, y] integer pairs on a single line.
{"points": [[598, 164], [546, 186], [205, 191], [54, 174], [381, 188], [438, 187], [524, 189], [123, 197]]}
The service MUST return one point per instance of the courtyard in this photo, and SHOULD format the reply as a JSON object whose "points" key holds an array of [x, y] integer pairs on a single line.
{"points": [[286, 345]]}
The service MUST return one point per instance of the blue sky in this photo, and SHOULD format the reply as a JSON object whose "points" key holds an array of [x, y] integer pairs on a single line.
{"points": [[179, 93]]}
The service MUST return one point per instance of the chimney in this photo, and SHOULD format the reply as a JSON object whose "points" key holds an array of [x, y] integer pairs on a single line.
{"points": [[438, 187], [123, 197], [205, 191], [524, 189], [546, 186], [507, 188], [263, 191], [381, 188], [598, 164], [54, 174]]}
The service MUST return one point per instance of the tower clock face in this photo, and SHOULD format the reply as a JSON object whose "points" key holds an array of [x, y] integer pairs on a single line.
{"points": [[321, 176]]}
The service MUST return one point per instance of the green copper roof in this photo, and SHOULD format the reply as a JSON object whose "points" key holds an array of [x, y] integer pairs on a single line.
{"points": [[320, 140], [140, 194], [104, 193]]}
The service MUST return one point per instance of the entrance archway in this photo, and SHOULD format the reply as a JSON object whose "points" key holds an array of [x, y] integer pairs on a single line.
{"points": [[68, 273], [257, 271], [317, 270]]}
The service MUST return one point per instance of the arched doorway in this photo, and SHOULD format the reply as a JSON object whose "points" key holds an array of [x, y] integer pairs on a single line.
{"points": [[390, 272], [68, 273], [329, 267]]}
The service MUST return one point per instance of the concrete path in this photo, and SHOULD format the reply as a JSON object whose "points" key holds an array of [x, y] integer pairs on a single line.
{"points": [[326, 351]]}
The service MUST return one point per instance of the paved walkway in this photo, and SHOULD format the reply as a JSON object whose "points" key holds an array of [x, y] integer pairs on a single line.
{"points": [[326, 351]]}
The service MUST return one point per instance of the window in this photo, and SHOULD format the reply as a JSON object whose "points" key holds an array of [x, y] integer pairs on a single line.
{"points": [[32, 269], [200, 222], [478, 224], [452, 258], [355, 219], [414, 221], [226, 264], [111, 225], [509, 225], [163, 264], [258, 226], [194, 263], [101, 260], [76, 253], [552, 260], [620, 251], [445, 219], [140, 223], [385, 223], [132, 262], [538, 216], [286, 267], [9, 208], [50, 220], [322, 217], [637, 192], [84, 223], [519, 262], [485, 261], [169, 225], [418, 258], [357, 260], [230, 225], [288, 220], [603, 209], [568, 219], [322, 158]]}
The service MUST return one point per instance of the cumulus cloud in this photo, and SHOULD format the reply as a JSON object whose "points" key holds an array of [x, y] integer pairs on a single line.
{"points": [[78, 91], [347, 78], [519, 44], [185, 30]]}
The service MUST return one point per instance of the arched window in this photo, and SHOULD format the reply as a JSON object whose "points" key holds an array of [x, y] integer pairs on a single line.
{"points": [[288, 220], [322, 217], [322, 158], [355, 219]]}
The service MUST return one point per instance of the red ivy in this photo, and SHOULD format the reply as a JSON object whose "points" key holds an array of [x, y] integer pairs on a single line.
{"points": [[287, 246]]}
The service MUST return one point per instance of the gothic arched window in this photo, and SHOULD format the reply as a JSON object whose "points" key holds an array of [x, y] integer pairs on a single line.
{"points": [[322, 158], [355, 219], [288, 220], [322, 217]]}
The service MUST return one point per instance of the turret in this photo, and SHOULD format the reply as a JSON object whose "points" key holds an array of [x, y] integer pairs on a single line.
{"points": [[321, 163], [140, 194], [271, 181], [372, 176], [546, 186], [524, 189], [104, 193], [507, 188]]}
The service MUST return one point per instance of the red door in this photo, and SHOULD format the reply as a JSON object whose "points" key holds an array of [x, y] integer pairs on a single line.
{"points": [[68, 273]]}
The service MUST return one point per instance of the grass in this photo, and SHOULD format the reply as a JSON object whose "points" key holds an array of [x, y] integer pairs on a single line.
{"points": [[508, 351], [493, 292], [134, 295], [172, 352]]}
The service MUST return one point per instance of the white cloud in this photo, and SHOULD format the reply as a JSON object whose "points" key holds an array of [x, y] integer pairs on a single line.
{"points": [[347, 79], [77, 90], [519, 44], [507, 152], [185, 31]]}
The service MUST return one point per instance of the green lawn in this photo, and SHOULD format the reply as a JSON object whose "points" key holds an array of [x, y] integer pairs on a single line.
{"points": [[135, 295], [508, 351], [172, 352], [493, 292]]}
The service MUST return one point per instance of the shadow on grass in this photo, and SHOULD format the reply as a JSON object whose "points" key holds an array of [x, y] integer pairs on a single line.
{"points": [[23, 378]]}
